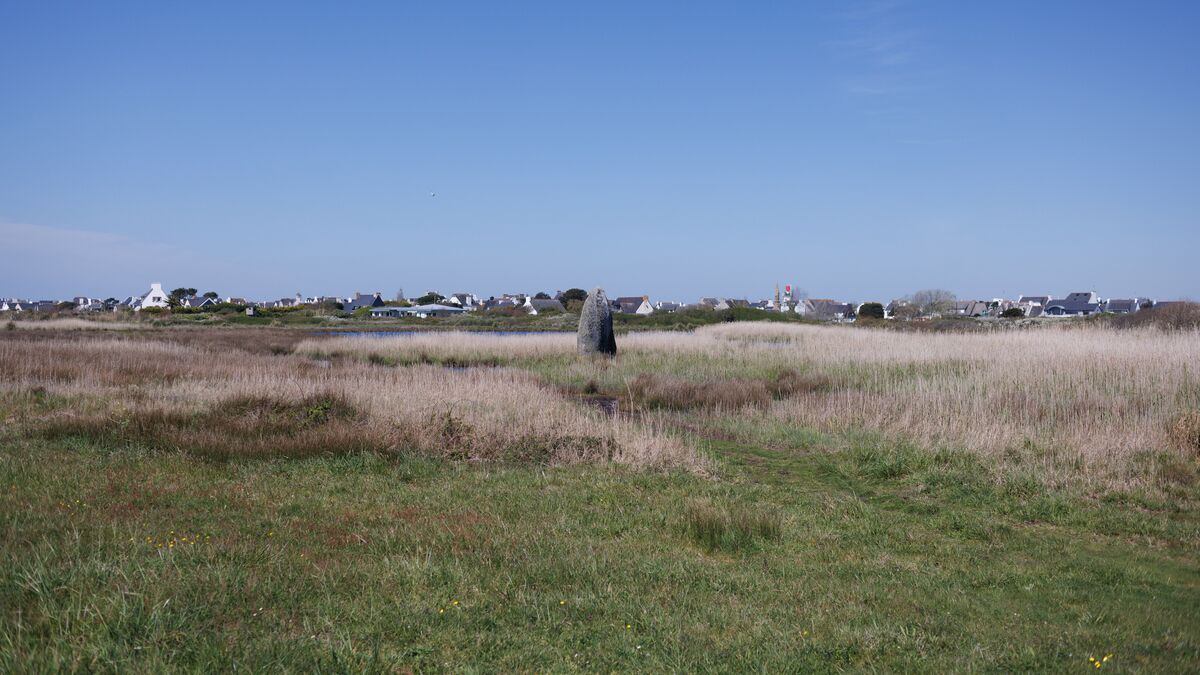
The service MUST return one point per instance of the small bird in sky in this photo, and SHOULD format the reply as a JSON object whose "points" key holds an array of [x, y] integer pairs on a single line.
{"points": [[432, 194]]}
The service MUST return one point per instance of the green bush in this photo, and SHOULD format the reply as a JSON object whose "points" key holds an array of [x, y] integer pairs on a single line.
{"points": [[573, 295], [871, 310]]}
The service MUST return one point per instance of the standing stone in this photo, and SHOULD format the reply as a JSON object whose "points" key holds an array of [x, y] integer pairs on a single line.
{"points": [[595, 325]]}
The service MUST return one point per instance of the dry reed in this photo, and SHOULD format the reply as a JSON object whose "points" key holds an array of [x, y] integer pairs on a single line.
{"points": [[479, 414], [70, 323], [1087, 400]]}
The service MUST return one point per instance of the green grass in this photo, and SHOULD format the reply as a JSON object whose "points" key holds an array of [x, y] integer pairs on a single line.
{"points": [[820, 553], [731, 529]]}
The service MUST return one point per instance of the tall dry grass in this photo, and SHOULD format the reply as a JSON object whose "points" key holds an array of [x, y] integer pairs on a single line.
{"points": [[69, 323], [218, 402], [1088, 400], [454, 347]]}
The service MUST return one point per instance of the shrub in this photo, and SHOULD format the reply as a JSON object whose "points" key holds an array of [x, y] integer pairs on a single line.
{"points": [[789, 383], [871, 310], [933, 300], [506, 311], [731, 529], [1175, 316], [1013, 313], [573, 295], [10, 325]]}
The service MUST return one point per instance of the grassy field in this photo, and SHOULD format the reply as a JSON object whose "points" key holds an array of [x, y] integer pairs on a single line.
{"points": [[777, 498], [317, 318]]}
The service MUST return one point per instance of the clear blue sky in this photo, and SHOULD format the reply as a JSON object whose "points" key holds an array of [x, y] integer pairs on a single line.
{"points": [[860, 150]]}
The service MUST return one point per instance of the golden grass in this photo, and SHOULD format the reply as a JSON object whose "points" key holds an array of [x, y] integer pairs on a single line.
{"points": [[461, 347], [1089, 401], [479, 414], [68, 324]]}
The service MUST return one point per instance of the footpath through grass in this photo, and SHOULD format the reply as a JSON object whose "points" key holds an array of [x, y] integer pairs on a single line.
{"points": [[790, 560]]}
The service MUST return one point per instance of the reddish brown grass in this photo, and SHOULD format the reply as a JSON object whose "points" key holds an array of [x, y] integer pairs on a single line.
{"points": [[239, 427], [651, 390], [1184, 432]]}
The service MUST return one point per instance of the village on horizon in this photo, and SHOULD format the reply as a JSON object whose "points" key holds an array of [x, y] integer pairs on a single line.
{"points": [[786, 298]]}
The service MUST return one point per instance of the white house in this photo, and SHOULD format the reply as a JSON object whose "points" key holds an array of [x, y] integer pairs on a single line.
{"points": [[157, 297], [633, 304], [84, 303], [464, 300]]}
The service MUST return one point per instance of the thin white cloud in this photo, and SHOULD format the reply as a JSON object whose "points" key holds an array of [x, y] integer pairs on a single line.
{"points": [[881, 52], [882, 47], [39, 238], [873, 90], [870, 10], [40, 260]]}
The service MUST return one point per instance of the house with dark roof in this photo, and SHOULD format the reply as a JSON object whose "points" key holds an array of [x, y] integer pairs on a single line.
{"points": [[41, 306], [1080, 303], [969, 308], [1033, 305], [363, 300], [198, 303], [730, 303], [633, 305], [502, 302], [825, 309], [1121, 305], [538, 305]]}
